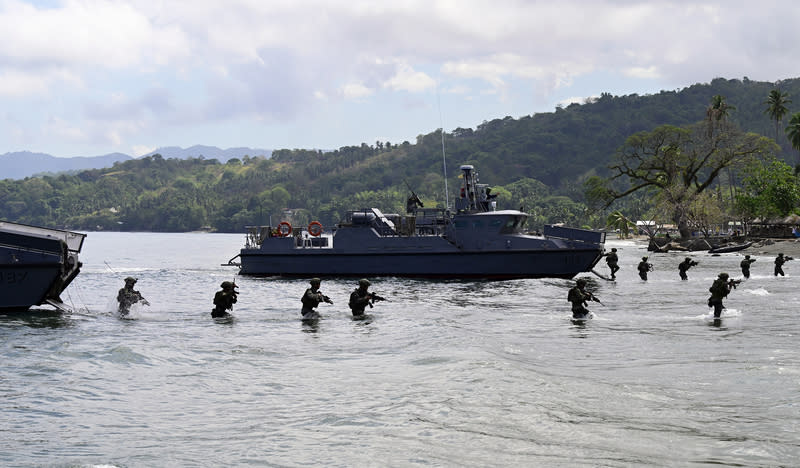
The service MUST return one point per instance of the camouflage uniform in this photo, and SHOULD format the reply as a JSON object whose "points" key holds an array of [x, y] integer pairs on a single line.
{"points": [[311, 299], [224, 300], [719, 291], [579, 297], [128, 296], [643, 268], [745, 264], [779, 261], [684, 266], [612, 259], [360, 298]]}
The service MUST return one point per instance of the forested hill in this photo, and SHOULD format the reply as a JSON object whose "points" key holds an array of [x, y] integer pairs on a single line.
{"points": [[537, 161]]}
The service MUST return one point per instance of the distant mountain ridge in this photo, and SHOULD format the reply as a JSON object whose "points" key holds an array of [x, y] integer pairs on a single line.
{"points": [[21, 164]]}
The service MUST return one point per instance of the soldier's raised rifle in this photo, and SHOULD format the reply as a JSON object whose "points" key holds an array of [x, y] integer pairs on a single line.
{"points": [[594, 298], [373, 298]]}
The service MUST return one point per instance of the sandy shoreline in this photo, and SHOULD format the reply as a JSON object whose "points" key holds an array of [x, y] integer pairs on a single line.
{"points": [[766, 247], [790, 247]]}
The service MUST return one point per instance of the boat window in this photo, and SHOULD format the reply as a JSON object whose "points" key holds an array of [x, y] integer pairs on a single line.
{"points": [[495, 223], [460, 223], [477, 225], [511, 224]]}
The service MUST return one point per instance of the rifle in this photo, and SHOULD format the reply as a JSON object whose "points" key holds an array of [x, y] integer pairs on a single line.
{"points": [[733, 283], [327, 299], [595, 299], [373, 298]]}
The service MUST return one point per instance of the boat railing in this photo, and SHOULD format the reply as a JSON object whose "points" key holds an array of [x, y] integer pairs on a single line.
{"points": [[584, 235], [74, 240], [301, 237], [255, 236], [430, 221], [304, 240]]}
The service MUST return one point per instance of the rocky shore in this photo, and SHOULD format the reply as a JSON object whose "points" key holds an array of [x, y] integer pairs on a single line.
{"points": [[790, 247], [760, 246]]}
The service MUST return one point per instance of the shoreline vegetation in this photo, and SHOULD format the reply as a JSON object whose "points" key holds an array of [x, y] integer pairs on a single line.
{"points": [[573, 166]]}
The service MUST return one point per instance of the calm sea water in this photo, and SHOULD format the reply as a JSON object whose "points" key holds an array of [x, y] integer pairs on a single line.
{"points": [[444, 374]]}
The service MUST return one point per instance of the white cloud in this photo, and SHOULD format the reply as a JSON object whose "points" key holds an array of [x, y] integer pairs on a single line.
{"points": [[105, 34], [141, 150], [642, 72], [115, 69], [407, 79], [356, 91]]}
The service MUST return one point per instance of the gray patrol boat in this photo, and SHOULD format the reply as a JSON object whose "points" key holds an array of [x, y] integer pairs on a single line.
{"points": [[36, 265], [474, 242]]}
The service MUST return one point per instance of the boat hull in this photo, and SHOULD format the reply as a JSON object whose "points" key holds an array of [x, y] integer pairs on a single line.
{"points": [[448, 265], [36, 265], [24, 286]]}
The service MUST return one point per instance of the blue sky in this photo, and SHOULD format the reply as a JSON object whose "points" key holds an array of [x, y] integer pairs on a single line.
{"points": [[91, 77]]}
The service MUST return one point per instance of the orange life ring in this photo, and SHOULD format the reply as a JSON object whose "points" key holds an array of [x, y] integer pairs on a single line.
{"points": [[284, 229], [315, 228]]}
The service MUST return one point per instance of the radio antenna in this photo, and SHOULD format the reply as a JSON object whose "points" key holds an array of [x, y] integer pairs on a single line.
{"points": [[444, 158]]}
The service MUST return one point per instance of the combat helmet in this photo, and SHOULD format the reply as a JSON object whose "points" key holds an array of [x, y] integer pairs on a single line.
{"points": [[363, 282], [581, 282], [130, 279], [315, 281], [723, 275]]}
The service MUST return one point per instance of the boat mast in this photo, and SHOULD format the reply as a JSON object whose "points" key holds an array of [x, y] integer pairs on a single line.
{"points": [[444, 159]]}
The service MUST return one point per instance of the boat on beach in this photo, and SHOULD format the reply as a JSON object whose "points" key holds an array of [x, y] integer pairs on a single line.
{"points": [[728, 248], [36, 265], [474, 241]]}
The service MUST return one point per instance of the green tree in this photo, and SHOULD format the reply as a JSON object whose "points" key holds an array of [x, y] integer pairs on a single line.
{"points": [[793, 131], [680, 163], [619, 221], [719, 109], [776, 107], [770, 189]]}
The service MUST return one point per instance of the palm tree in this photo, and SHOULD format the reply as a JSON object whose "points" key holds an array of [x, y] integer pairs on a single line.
{"points": [[793, 131], [617, 220], [717, 111], [776, 107]]}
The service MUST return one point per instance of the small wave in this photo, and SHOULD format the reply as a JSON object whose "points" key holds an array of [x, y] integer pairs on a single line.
{"points": [[757, 292], [125, 355]]}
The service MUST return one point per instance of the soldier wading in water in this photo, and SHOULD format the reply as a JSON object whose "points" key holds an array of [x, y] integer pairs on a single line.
{"points": [[745, 264], [643, 268], [684, 266], [779, 261], [612, 259], [579, 297], [719, 291], [361, 298], [128, 296], [224, 300], [311, 299]]}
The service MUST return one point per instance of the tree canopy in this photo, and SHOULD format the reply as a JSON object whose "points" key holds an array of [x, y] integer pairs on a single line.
{"points": [[679, 164]]}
